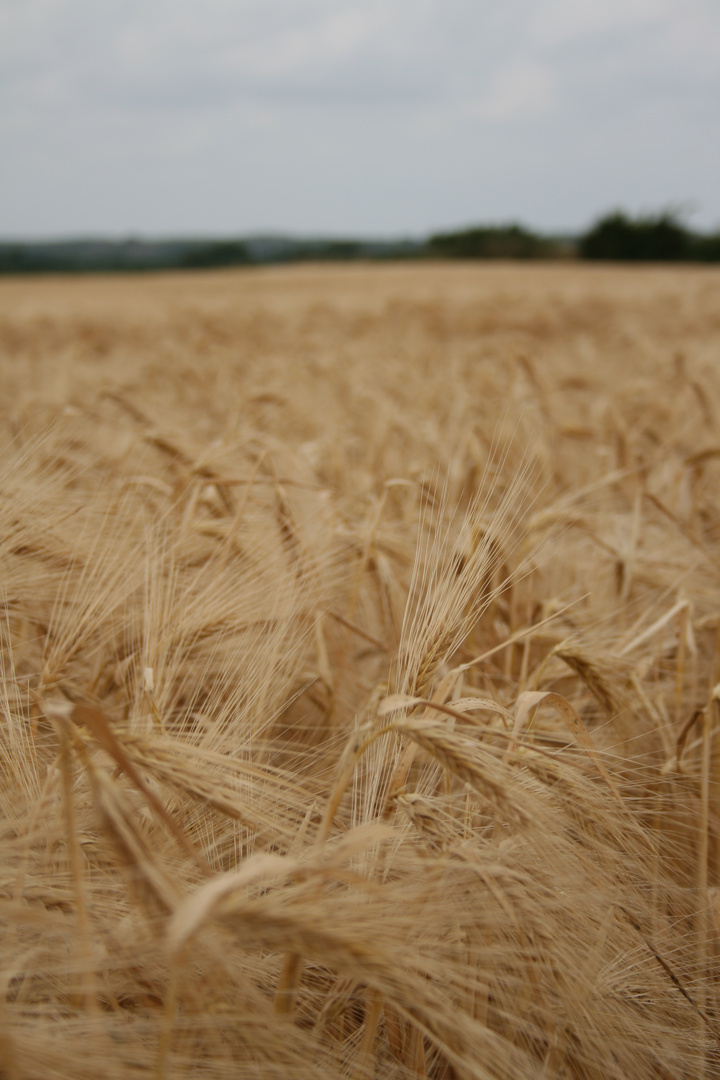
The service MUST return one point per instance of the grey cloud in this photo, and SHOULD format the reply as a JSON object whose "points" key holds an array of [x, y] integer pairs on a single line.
{"points": [[413, 111], [349, 54]]}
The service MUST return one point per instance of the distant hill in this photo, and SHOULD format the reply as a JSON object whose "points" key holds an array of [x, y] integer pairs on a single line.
{"points": [[77, 256]]}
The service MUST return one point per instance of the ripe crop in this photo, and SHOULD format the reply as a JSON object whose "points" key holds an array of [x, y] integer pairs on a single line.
{"points": [[359, 693]]}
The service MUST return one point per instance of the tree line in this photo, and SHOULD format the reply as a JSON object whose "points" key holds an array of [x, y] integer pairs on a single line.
{"points": [[614, 237]]}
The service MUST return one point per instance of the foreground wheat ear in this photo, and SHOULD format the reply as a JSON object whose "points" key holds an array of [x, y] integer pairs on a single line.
{"points": [[312, 766]]}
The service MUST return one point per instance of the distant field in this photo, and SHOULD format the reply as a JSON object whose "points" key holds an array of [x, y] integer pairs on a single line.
{"points": [[360, 674]]}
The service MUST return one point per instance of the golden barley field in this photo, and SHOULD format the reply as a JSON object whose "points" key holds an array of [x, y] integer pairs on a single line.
{"points": [[360, 643]]}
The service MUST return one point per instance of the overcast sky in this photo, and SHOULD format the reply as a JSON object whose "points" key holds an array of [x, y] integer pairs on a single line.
{"points": [[367, 117]]}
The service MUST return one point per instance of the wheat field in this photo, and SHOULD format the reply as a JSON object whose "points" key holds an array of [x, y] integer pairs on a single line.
{"points": [[360, 641]]}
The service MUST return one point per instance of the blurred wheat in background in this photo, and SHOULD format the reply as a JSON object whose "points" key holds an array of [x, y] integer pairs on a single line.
{"points": [[359, 643]]}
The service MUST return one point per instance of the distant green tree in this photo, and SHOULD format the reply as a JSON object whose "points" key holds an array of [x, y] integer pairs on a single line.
{"points": [[491, 242], [14, 259], [218, 253], [647, 239], [341, 249], [705, 248], [324, 251]]}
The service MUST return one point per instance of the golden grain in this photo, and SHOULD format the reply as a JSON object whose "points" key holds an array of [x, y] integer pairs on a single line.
{"points": [[359, 652]]}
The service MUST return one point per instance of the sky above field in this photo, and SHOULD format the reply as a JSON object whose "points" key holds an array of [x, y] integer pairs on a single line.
{"points": [[362, 117]]}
